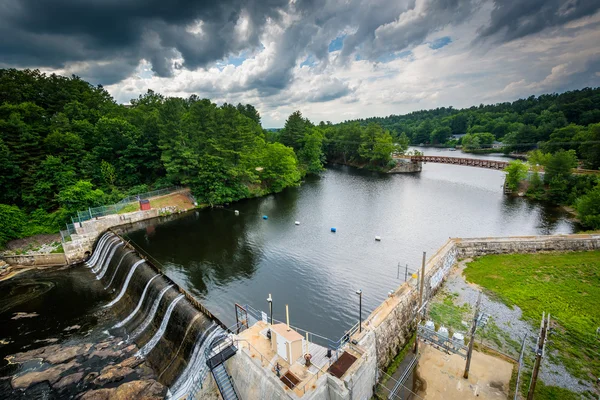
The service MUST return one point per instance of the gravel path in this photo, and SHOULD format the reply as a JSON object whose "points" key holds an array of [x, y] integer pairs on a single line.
{"points": [[509, 320]]}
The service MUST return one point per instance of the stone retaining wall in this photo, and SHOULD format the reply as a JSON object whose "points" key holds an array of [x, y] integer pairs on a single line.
{"points": [[37, 260]]}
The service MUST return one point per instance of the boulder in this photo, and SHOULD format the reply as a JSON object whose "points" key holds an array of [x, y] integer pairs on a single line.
{"points": [[147, 390], [42, 352], [68, 380], [51, 375], [131, 362], [64, 354], [112, 374]]}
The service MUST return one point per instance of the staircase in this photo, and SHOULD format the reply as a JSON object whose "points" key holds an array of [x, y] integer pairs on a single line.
{"points": [[219, 351], [224, 382]]}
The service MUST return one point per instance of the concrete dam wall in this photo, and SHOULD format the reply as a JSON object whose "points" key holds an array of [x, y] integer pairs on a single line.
{"points": [[171, 330]]}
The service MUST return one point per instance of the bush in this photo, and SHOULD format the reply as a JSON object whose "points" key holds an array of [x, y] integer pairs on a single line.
{"points": [[12, 220], [588, 208]]}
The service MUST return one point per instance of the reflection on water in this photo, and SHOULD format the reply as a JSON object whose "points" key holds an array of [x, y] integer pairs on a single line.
{"points": [[227, 259]]}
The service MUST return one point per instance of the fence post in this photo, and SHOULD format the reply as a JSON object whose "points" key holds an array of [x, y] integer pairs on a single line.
{"points": [[90, 211]]}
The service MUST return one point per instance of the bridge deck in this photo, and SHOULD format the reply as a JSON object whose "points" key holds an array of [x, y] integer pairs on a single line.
{"points": [[469, 162]]}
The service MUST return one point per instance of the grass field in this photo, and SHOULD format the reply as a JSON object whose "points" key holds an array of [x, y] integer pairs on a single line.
{"points": [[566, 285]]}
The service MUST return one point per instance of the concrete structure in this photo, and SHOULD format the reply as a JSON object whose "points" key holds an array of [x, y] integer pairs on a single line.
{"points": [[83, 241], [37, 260], [405, 166], [390, 325]]}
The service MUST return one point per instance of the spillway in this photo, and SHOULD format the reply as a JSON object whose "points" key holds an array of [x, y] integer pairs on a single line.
{"points": [[169, 327]]}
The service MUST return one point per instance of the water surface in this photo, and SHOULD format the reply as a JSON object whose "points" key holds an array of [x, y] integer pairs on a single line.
{"points": [[225, 259]]}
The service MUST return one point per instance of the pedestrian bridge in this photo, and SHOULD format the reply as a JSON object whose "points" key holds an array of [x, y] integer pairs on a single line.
{"points": [[469, 162]]}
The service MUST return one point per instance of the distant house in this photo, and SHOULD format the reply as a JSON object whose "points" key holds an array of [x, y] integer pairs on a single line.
{"points": [[497, 145], [458, 136]]}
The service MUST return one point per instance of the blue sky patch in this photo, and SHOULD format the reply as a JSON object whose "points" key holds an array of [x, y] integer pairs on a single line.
{"points": [[309, 61], [337, 43], [394, 56], [441, 42]]}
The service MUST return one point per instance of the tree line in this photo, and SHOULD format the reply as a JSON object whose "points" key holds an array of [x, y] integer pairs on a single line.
{"points": [[550, 122]]}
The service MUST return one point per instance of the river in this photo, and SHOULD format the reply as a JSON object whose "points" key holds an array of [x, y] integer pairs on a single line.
{"points": [[225, 259]]}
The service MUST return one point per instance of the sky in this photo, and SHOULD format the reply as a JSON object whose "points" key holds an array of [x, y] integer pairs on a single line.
{"points": [[333, 60]]}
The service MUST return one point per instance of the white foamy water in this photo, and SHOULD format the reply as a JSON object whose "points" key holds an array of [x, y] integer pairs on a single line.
{"points": [[139, 305], [142, 327], [143, 352], [92, 261], [108, 260], [124, 289], [116, 269]]}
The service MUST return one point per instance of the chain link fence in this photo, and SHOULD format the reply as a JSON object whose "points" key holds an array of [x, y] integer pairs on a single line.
{"points": [[96, 212]]}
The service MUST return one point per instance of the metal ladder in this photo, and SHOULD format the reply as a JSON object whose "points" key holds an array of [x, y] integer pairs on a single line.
{"points": [[224, 382]]}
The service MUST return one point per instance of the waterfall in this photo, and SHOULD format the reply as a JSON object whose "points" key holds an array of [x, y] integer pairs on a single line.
{"points": [[120, 324], [108, 260], [124, 289], [96, 254], [107, 254], [104, 254], [116, 269], [143, 352], [196, 369], [142, 327]]}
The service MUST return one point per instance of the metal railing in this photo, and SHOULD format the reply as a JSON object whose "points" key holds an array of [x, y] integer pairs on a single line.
{"points": [[102, 211]]}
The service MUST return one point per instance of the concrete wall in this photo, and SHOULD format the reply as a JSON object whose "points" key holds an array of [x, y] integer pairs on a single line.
{"points": [[88, 231], [37, 260]]}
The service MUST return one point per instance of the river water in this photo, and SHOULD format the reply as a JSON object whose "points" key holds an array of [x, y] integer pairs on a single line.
{"points": [[225, 259]]}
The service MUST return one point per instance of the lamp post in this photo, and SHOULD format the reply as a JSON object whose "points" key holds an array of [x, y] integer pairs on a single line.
{"points": [[270, 301], [359, 293]]}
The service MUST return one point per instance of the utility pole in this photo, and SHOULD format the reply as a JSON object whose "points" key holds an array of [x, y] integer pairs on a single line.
{"points": [[472, 341], [406, 276], [520, 366], [539, 353], [422, 280], [398, 273]]}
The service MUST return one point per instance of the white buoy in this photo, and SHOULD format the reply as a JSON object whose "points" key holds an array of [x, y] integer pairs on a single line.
{"points": [[297, 222], [237, 212], [378, 238]]}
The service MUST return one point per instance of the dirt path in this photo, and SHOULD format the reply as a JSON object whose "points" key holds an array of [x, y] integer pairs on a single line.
{"points": [[441, 375]]}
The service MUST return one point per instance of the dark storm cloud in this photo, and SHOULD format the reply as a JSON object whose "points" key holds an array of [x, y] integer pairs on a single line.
{"points": [[513, 19], [58, 32]]}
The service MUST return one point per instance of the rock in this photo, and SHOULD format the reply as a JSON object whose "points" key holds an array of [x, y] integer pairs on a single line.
{"points": [[68, 380], [42, 352], [147, 390], [64, 354], [20, 315], [102, 345], [130, 348], [72, 328], [131, 362], [91, 376], [104, 353], [102, 394], [51, 375], [112, 374]]}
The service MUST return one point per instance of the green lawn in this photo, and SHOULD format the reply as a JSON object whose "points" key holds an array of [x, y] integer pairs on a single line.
{"points": [[567, 285]]}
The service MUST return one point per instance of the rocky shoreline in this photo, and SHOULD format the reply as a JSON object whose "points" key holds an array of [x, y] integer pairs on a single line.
{"points": [[101, 371]]}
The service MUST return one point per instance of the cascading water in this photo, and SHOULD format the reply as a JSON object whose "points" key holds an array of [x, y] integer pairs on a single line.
{"points": [[143, 352], [139, 305], [140, 295], [98, 251], [196, 369], [124, 289], [142, 327], [117, 269], [108, 260], [109, 243], [96, 254]]}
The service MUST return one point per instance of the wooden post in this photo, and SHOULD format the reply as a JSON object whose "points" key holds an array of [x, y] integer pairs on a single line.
{"points": [[287, 316], [539, 354], [472, 341]]}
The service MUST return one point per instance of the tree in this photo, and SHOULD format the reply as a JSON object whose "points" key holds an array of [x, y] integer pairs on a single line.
{"points": [[536, 187], [294, 130], [311, 155], [108, 173], [560, 164], [402, 144], [590, 148], [588, 209], [441, 134], [376, 145], [12, 220], [279, 167], [80, 196], [516, 171]]}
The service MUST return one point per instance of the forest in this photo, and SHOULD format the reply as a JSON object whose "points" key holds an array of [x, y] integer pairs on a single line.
{"points": [[66, 145]]}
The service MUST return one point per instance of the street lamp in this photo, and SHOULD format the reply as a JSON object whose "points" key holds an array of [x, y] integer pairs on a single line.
{"points": [[270, 301], [359, 293]]}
